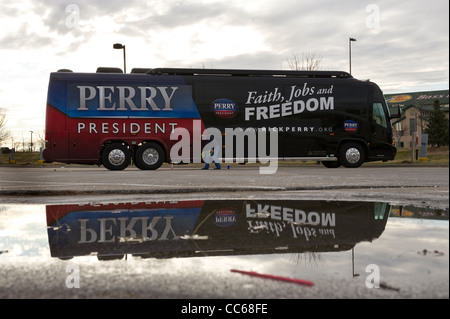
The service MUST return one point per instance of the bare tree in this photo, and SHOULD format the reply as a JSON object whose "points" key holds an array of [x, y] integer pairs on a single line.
{"points": [[4, 133], [41, 139], [23, 144], [309, 61], [16, 145]]}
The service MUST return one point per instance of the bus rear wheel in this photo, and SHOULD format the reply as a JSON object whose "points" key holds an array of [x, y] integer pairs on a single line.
{"points": [[116, 157], [352, 155], [149, 156]]}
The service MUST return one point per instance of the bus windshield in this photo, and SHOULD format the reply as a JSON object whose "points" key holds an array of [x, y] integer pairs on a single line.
{"points": [[379, 115]]}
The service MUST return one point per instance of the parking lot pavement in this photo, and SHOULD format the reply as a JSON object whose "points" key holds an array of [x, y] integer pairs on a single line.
{"points": [[419, 184]]}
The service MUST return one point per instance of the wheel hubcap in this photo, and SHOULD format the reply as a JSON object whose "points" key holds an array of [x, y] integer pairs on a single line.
{"points": [[150, 156], [352, 155], [116, 157]]}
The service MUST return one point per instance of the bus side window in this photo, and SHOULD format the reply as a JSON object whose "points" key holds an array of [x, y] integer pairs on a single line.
{"points": [[378, 114]]}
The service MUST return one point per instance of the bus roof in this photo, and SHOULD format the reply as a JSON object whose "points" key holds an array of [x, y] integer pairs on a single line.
{"points": [[225, 72], [243, 72]]}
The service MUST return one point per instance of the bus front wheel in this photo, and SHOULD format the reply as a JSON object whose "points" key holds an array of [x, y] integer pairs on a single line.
{"points": [[116, 157], [351, 155]]}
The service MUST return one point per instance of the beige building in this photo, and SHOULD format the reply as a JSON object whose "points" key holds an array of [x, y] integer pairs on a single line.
{"points": [[416, 109]]}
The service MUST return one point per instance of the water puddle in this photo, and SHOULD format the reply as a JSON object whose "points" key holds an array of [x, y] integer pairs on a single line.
{"points": [[205, 228], [374, 244]]}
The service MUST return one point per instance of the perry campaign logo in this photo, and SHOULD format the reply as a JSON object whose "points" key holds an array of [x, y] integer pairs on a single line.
{"points": [[224, 108], [224, 217], [351, 126]]}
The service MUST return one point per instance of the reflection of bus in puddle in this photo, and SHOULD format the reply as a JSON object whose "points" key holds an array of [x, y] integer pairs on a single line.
{"points": [[212, 227]]}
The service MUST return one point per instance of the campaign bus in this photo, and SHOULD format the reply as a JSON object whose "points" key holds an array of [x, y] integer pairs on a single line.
{"points": [[113, 119]]}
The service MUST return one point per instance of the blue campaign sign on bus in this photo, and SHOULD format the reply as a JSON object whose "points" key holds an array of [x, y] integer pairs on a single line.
{"points": [[134, 98]]}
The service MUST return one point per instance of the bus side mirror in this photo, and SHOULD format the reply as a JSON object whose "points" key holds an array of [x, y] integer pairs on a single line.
{"points": [[398, 115]]}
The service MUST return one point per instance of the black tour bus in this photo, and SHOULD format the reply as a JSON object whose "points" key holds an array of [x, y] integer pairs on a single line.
{"points": [[111, 118]]}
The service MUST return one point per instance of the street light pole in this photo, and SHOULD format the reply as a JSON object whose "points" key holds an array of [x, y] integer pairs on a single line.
{"points": [[350, 40], [31, 143], [121, 46]]}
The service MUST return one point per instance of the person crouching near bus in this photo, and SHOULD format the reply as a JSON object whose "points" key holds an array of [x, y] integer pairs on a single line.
{"points": [[212, 153]]}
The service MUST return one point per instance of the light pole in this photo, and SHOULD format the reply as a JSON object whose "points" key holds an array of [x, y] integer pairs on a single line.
{"points": [[350, 40], [31, 143], [121, 46]]}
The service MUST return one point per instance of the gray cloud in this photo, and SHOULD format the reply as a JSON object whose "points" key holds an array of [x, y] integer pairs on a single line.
{"points": [[411, 37]]}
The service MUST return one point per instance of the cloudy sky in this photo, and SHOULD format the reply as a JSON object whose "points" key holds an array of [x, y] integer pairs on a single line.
{"points": [[401, 45]]}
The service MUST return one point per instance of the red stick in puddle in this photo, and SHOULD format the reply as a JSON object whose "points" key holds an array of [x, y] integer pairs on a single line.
{"points": [[286, 279]]}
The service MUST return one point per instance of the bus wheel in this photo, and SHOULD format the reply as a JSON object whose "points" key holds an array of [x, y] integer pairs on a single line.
{"points": [[149, 156], [331, 164], [351, 155], [116, 157]]}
